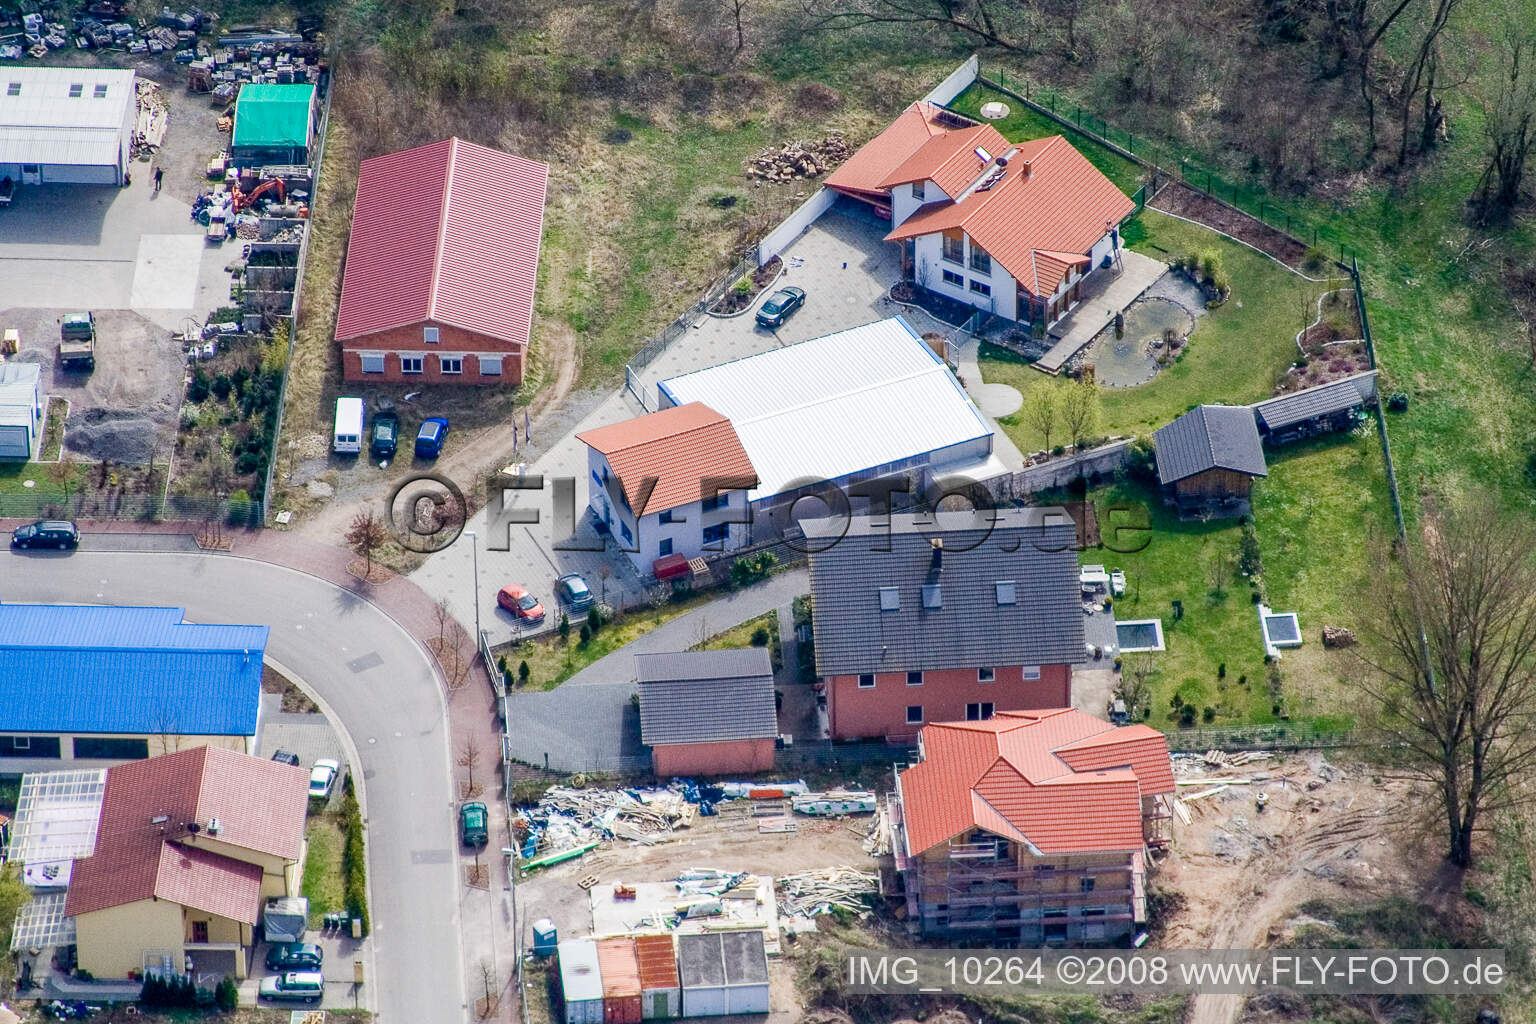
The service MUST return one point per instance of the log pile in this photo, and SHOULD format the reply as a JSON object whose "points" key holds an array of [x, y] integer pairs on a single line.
{"points": [[795, 160], [1338, 636], [820, 892]]}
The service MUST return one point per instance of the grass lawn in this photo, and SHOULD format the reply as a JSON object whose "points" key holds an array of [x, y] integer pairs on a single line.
{"points": [[1235, 355], [552, 661], [741, 636], [323, 882], [1311, 513]]}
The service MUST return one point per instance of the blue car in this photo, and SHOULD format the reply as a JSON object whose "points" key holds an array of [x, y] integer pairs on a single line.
{"points": [[430, 438]]}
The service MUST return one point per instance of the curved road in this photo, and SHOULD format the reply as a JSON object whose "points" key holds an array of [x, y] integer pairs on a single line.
{"points": [[385, 700]]}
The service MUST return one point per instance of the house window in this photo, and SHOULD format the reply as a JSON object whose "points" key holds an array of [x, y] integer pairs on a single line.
{"points": [[981, 289], [933, 597], [29, 746], [980, 261], [716, 534], [890, 599], [986, 675], [410, 364], [13, 89], [199, 931], [954, 247], [1085, 884], [714, 501], [100, 92], [450, 364], [429, 335], [665, 517], [917, 190], [373, 362], [952, 278], [665, 547], [914, 714], [76, 90], [1007, 593], [978, 712], [867, 681], [111, 748], [490, 366], [1031, 671], [914, 679]]}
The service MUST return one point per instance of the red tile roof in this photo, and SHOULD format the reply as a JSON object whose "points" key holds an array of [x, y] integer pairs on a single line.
{"points": [[949, 159], [681, 449], [260, 806], [1049, 209], [879, 157], [1059, 780], [448, 234]]}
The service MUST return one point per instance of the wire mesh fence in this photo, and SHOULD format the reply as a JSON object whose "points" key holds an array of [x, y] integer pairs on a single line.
{"points": [[148, 508], [1279, 736]]}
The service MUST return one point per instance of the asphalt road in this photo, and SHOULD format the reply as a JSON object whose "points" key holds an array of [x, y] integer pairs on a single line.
{"points": [[379, 689]]}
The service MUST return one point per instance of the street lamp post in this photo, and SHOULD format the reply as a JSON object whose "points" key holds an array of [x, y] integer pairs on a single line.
{"points": [[474, 548]]}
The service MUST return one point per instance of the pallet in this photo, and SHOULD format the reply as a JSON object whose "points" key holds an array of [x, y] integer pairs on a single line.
{"points": [[586, 882]]}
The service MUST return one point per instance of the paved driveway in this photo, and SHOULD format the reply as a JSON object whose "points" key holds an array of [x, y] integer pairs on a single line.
{"points": [[846, 270], [376, 683]]}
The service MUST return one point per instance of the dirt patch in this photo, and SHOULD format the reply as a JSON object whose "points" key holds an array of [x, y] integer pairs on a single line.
{"points": [[737, 299], [1181, 200], [295, 701]]}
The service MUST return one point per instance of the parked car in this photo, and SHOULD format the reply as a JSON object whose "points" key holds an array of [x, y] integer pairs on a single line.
{"points": [[285, 757], [7, 190], [779, 307], [520, 603], [429, 439], [294, 956], [473, 827], [323, 777], [385, 436], [573, 590], [307, 986], [46, 533]]}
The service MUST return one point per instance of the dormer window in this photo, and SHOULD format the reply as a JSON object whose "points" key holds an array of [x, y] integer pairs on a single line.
{"points": [[917, 190], [890, 599], [1007, 593], [933, 596]]}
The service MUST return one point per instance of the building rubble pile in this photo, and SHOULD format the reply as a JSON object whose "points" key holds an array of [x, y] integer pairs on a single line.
{"points": [[821, 892], [799, 159]]}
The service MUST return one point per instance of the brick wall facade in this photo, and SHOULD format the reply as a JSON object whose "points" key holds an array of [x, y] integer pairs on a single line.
{"points": [[410, 341], [731, 757], [880, 711]]}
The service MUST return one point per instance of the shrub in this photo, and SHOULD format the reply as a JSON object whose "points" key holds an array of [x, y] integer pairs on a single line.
{"points": [[1210, 266], [1208, 715], [586, 634], [1397, 402], [1314, 259], [1221, 282], [221, 387], [198, 387], [760, 636], [1221, 671], [354, 867], [1250, 562], [595, 619], [1242, 680], [522, 672], [751, 568], [743, 287], [227, 996], [1187, 715], [1191, 263], [564, 628]]}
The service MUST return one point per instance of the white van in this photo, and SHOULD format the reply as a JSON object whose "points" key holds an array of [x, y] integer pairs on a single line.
{"points": [[347, 439]]}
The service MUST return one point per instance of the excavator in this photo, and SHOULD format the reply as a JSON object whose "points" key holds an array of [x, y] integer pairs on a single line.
{"points": [[245, 200]]}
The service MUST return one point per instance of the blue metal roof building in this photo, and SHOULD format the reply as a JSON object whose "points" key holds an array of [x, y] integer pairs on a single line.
{"points": [[87, 669]]}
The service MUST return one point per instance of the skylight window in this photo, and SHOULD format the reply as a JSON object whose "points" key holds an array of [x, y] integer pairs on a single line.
{"points": [[76, 90], [1006, 592], [13, 89], [932, 596], [100, 92], [890, 599]]}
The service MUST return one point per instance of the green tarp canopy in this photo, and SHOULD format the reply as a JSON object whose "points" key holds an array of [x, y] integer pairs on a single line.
{"points": [[273, 116]]}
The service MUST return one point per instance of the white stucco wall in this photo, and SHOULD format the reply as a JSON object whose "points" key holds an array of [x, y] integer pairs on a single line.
{"points": [[929, 252], [685, 531], [904, 203]]}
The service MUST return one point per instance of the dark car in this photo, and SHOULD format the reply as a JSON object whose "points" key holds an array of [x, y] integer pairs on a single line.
{"points": [[573, 590], [46, 533], [429, 439], [294, 956], [473, 827], [779, 306], [385, 436], [286, 757]]}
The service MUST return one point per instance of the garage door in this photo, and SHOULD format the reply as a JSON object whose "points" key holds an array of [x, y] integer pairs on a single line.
{"points": [[65, 174], [15, 443]]}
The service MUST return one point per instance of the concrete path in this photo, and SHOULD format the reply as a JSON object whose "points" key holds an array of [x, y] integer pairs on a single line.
{"points": [[1107, 293]]}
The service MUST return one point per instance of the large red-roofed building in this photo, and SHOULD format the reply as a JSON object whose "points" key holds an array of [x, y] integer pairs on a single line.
{"points": [[1030, 827], [441, 266]]}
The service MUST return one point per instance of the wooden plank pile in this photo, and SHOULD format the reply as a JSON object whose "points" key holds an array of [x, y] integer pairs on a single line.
{"points": [[795, 160], [820, 892], [149, 126]]}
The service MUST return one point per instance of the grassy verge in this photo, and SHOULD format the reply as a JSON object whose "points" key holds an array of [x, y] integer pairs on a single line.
{"points": [[1311, 515], [323, 884], [765, 626], [53, 428]]}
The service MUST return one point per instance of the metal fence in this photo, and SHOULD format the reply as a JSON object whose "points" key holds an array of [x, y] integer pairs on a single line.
{"points": [[648, 352], [149, 508], [1279, 736]]}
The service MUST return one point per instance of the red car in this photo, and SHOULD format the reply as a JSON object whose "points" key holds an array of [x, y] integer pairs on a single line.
{"points": [[519, 602]]}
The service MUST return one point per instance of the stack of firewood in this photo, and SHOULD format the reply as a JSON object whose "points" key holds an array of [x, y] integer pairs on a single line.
{"points": [[799, 159]]}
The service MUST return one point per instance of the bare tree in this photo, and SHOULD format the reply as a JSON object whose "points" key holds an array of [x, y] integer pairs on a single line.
{"points": [[457, 657], [1080, 410], [488, 979], [63, 472], [738, 8], [444, 615], [1420, 74], [1509, 125], [1136, 682], [1452, 654], [1008, 26], [1042, 410], [163, 722], [366, 536], [469, 760]]}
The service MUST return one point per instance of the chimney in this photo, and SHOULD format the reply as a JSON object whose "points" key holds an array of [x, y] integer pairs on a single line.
{"points": [[936, 561], [214, 826]]}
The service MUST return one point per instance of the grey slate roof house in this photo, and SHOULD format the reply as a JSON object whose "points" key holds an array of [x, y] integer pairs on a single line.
{"points": [[1209, 456], [937, 618], [708, 712]]}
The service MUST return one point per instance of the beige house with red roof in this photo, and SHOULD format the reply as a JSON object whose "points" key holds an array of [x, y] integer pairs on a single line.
{"points": [[1010, 229], [1030, 827], [188, 847]]}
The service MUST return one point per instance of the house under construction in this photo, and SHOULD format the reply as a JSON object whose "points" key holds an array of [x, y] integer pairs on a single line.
{"points": [[1031, 827]]}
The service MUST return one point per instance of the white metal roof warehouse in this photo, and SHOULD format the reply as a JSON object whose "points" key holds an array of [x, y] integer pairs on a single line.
{"points": [[857, 404], [66, 125]]}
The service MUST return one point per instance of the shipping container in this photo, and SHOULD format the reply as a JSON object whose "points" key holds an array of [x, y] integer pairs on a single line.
{"points": [[723, 973], [621, 980], [660, 992], [581, 982]]}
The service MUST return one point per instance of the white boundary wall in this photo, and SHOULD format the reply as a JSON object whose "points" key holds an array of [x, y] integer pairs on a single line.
{"points": [[957, 82]]}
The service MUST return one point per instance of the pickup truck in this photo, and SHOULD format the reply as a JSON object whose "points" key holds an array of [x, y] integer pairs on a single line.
{"points": [[77, 341]]}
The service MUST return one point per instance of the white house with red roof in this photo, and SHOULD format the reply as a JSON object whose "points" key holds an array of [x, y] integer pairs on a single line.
{"points": [[441, 266], [1010, 229], [1029, 827]]}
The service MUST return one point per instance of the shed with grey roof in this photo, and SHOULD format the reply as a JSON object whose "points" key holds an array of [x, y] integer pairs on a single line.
{"points": [[581, 982], [1315, 410], [1209, 456], [723, 973], [708, 712]]}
